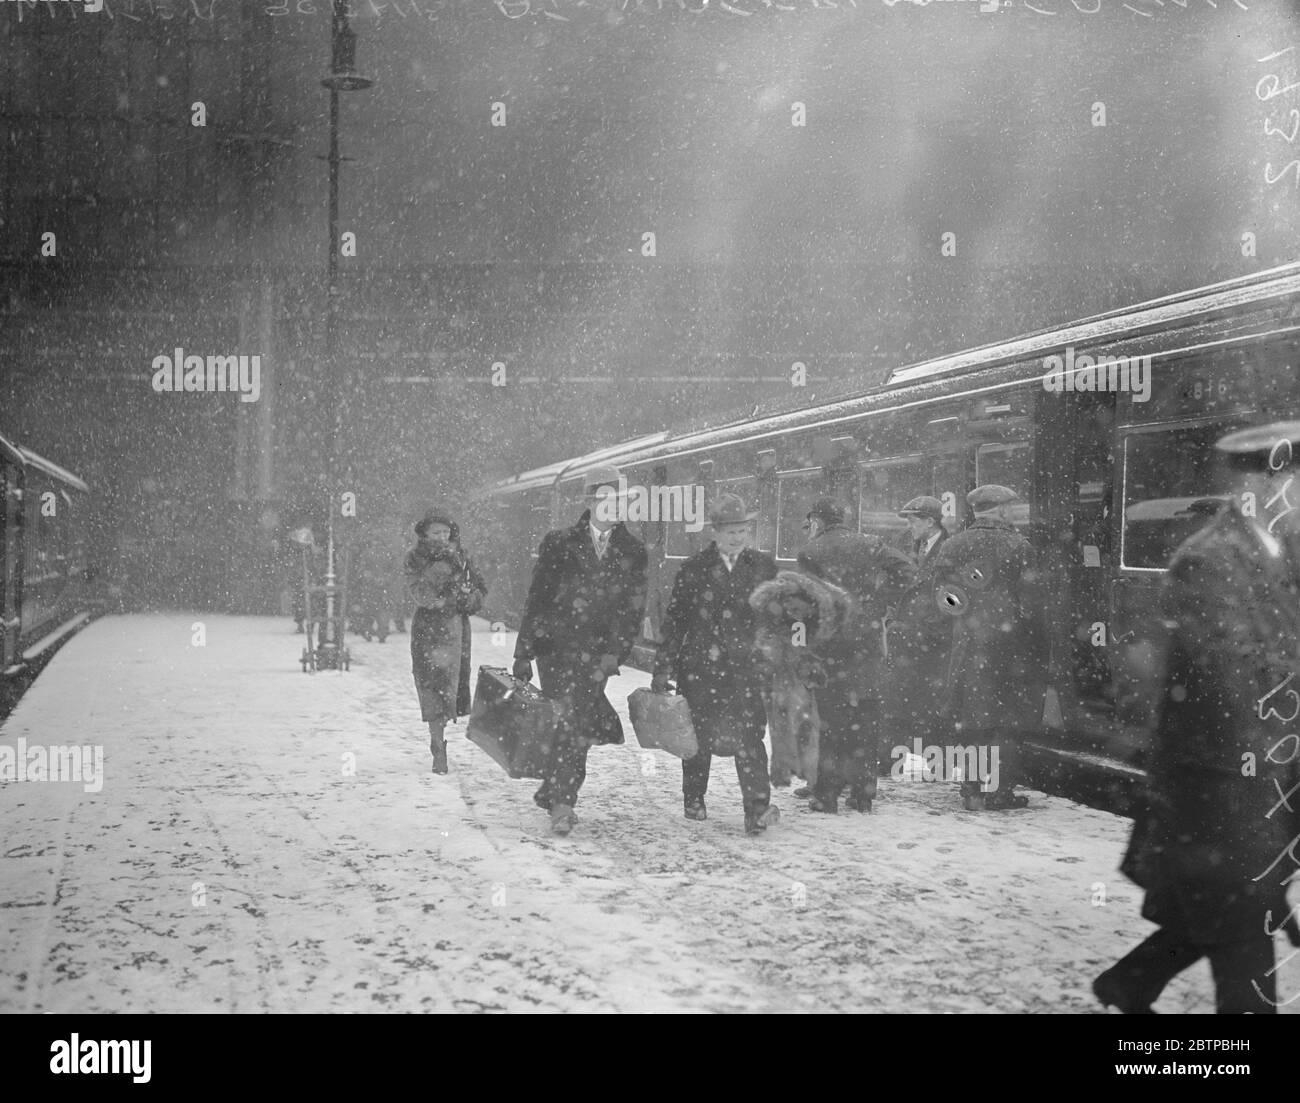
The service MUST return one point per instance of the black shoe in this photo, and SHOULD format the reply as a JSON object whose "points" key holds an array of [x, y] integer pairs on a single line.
{"points": [[998, 802], [544, 802], [1110, 994], [694, 810], [829, 805], [803, 791], [858, 803], [759, 820]]}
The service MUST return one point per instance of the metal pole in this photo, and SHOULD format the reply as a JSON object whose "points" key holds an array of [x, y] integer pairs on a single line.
{"points": [[331, 332]]}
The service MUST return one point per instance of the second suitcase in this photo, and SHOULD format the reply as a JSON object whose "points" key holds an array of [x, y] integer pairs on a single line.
{"points": [[663, 721]]}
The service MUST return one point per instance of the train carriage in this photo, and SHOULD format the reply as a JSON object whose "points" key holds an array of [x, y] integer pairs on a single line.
{"points": [[1113, 478], [42, 536]]}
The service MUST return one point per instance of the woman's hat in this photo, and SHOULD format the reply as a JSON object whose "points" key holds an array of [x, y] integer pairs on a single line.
{"points": [[434, 517]]}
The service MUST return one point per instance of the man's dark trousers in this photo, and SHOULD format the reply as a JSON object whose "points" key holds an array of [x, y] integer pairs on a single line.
{"points": [[751, 771], [1154, 963]]}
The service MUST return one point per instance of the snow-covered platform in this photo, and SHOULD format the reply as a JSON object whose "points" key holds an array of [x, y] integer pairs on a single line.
{"points": [[268, 840]]}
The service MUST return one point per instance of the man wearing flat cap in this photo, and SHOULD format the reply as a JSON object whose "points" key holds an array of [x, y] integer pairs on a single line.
{"points": [[919, 637], [1218, 839], [581, 618], [850, 704], [986, 580], [924, 517], [708, 646]]}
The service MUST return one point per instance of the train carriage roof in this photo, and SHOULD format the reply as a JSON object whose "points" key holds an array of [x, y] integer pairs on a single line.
{"points": [[25, 457], [1181, 310]]}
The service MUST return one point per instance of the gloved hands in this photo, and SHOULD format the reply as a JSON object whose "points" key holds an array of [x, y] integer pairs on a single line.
{"points": [[609, 665], [659, 684], [523, 670]]}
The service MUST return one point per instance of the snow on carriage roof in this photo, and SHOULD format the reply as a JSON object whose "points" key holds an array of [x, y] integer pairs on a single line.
{"points": [[28, 458], [1092, 332]]}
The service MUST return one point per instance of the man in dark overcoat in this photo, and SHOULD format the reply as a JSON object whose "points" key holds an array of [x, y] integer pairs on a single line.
{"points": [[997, 675], [708, 646], [850, 703], [920, 636], [1221, 834], [580, 622]]}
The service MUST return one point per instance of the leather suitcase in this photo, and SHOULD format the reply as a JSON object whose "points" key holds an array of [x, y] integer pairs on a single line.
{"points": [[512, 722], [662, 721]]}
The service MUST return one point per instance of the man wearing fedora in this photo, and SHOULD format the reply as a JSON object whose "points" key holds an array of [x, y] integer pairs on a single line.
{"points": [[850, 703], [708, 646], [920, 635], [580, 622], [986, 580], [1216, 844]]}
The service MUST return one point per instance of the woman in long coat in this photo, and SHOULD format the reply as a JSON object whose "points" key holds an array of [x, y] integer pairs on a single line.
{"points": [[446, 588]]}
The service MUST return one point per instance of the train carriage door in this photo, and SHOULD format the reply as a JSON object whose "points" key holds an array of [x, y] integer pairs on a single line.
{"points": [[11, 580], [1169, 486], [1076, 431]]}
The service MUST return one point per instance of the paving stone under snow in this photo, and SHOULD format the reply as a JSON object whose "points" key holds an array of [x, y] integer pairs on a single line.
{"points": [[231, 863]]}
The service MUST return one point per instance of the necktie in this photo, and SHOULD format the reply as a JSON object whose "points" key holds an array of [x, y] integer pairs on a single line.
{"points": [[601, 541]]}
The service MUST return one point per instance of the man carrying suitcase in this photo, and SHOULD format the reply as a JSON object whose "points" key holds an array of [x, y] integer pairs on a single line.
{"points": [[581, 618], [709, 631]]}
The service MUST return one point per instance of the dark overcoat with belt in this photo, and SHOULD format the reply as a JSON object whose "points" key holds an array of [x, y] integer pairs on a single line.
{"points": [[997, 675], [1220, 840], [581, 609], [708, 643], [875, 576]]}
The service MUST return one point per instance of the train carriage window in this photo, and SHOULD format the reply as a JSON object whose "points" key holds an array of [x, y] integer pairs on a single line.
{"points": [[1008, 465], [796, 492], [1172, 487], [885, 488]]}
